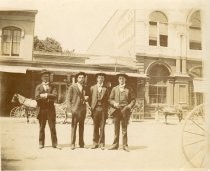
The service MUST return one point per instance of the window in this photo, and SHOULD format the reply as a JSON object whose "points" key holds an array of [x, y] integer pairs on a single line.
{"points": [[158, 29], [195, 31], [11, 41], [157, 94], [158, 84]]}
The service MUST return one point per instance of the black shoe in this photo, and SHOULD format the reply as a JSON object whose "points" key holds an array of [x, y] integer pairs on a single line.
{"points": [[81, 146], [94, 147], [113, 148], [125, 148], [41, 146], [73, 147]]}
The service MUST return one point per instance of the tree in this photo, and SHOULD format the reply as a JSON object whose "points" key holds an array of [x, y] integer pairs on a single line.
{"points": [[38, 44], [47, 45]]}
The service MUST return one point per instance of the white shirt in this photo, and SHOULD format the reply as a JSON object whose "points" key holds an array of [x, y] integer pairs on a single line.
{"points": [[99, 87], [80, 87], [45, 86], [122, 87]]}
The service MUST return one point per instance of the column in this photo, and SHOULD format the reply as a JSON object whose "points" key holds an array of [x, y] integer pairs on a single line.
{"points": [[183, 53], [184, 66], [177, 66], [146, 91], [195, 99], [170, 92]]}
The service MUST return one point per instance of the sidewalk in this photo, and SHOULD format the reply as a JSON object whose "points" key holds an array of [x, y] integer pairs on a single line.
{"points": [[153, 145]]}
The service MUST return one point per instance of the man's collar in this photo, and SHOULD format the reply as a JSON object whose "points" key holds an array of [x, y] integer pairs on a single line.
{"points": [[45, 83], [123, 85], [100, 85]]}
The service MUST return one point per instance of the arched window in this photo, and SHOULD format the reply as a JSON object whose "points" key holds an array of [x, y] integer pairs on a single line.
{"points": [[195, 31], [11, 37], [158, 29], [157, 85]]}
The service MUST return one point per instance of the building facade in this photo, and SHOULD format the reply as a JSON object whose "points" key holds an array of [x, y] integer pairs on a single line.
{"points": [[20, 65], [161, 51], [167, 47]]}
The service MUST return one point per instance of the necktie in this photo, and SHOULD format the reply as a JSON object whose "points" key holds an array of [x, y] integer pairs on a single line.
{"points": [[99, 88]]}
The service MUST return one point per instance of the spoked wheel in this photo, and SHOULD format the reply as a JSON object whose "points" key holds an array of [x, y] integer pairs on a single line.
{"points": [[13, 112], [194, 137], [18, 112]]}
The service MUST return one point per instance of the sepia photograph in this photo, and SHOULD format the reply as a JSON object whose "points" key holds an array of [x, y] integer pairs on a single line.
{"points": [[104, 85]]}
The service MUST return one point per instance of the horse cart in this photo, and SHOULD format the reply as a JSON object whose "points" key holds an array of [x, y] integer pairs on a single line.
{"points": [[28, 108]]}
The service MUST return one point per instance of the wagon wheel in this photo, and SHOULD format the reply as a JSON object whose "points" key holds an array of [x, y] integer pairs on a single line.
{"points": [[18, 112], [14, 112], [194, 137]]}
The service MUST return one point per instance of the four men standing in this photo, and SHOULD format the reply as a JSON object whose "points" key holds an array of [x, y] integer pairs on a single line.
{"points": [[121, 100]]}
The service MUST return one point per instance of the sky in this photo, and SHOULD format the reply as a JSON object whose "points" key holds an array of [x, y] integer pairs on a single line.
{"points": [[76, 23]]}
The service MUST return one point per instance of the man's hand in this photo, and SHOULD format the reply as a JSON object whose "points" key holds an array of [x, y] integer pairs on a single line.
{"points": [[43, 95], [116, 104], [86, 98], [69, 114]]}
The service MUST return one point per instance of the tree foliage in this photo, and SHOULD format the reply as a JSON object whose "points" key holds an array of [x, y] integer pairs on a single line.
{"points": [[47, 45]]}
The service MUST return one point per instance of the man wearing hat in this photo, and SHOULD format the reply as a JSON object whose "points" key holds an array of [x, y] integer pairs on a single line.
{"points": [[99, 106], [122, 100], [46, 110], [76, 105]]}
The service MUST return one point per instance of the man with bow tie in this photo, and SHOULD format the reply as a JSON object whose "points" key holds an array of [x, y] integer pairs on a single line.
{"points": [[99, 106], [76, 105], [122, 100], [45, 98]]}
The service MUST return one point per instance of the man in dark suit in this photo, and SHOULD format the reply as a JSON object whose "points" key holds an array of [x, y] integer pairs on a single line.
{"points": [[99, 106], [76, 105], [122, 100], [46, 110]]}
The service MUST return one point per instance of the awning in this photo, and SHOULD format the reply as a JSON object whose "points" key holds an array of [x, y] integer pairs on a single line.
{"points": [[200, 86], [13, 69], [23, 69], [137, 75]]}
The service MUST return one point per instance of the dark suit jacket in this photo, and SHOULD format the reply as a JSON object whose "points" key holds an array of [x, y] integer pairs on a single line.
{"points": [[44, 104], [104, 97], [75, 100], [115, 96]]}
